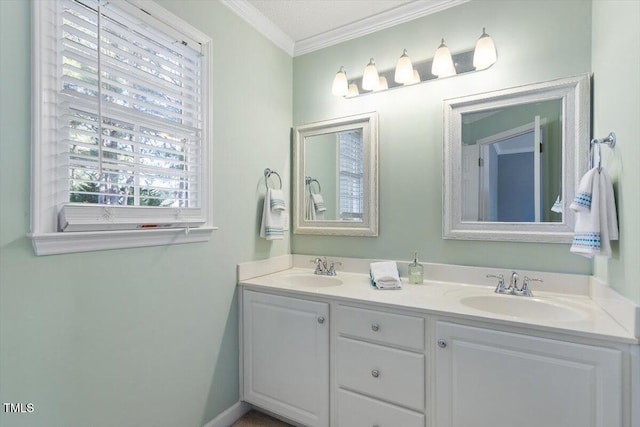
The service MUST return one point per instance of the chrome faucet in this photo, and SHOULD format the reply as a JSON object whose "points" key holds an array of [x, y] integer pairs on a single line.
{"points": [[513, 283], [324, 267], [513, 289]]}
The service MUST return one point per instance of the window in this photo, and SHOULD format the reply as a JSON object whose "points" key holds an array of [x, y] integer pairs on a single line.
{"points": [[121, 139], [351, 163]]}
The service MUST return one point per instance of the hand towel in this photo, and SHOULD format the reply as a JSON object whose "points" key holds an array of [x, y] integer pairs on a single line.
{"points": [[272, 227], [596, 219], [277, 200], [384, 275], [318, 202], [309, 209]]}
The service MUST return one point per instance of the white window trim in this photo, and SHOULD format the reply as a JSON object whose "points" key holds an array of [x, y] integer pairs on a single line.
{"points": [[46, 238]]}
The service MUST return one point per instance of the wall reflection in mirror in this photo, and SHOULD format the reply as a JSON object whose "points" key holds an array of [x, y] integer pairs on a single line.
{"points": [[334, 184], [512, 163]]}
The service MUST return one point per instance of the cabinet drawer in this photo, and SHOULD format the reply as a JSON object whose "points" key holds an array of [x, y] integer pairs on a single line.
{"points": [[393, 375], [355, 410], [385, 328]]}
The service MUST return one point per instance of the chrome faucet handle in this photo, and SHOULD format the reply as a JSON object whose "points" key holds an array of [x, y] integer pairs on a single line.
{"points": [[332, 268], [525, 291], [501, 288], [319, 265]]}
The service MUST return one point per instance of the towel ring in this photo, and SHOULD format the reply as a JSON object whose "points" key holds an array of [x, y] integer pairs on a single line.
{"points": [[308, 180], [267, 174]]}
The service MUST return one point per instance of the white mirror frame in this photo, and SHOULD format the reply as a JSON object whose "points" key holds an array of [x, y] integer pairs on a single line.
{"points": [[369, 224], [575, 95]]}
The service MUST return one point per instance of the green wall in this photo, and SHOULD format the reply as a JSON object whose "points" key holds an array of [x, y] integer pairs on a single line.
{"points": [[139, 337], [616, 106], [536, 41]]}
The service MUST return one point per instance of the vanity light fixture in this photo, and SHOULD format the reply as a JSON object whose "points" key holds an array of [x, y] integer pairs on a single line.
{"points": [[404, 69], [340, 83], [408, 72], [370, 79], [484, 55], [443, 62]]}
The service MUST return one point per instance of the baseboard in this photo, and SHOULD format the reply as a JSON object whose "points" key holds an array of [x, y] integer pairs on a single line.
{"points": [[230, 415]]}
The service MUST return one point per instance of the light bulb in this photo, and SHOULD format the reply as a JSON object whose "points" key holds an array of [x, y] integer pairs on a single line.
{"points": [[442, 62], [415, 78], [382, 84], [370, 79], [353, 90], [340, 84], [404, 69], [485, 54]]}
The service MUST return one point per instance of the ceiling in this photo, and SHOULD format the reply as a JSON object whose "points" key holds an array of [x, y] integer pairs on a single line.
{"points": [[302, 26], [301, 19]]}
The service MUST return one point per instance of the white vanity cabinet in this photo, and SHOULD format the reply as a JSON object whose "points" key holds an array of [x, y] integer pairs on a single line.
{"points": [[488, 378], [286, 356], [381, 365], [379, 368]]}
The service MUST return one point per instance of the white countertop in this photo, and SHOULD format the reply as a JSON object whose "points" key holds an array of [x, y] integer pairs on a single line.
{"points": [[443, 298]]}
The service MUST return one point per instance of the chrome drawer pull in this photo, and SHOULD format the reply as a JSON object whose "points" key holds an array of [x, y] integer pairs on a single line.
{"points": [[375, 327], [321, 319], [375, 373], [442, 343]]}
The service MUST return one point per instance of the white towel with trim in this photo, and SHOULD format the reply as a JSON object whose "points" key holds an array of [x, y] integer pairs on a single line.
{"points": [[318, 202], [596, 218], [384, 275], [277, 200], [272, 226]]}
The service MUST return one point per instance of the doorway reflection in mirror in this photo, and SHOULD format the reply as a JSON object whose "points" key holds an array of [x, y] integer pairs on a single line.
{"points": [[512, 163]]}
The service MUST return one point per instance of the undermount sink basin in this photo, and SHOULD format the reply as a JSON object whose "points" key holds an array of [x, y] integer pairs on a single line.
{"points": [[311, 280], [523, 307]]}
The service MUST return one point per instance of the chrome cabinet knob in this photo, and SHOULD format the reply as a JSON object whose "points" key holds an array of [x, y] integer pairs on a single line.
{"points": [[375, 327], [321, 319], [442, 343], [375, 373]]}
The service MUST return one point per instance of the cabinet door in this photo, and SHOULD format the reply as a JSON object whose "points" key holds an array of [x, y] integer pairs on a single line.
{"points": [[286, 356], [486, 378]]}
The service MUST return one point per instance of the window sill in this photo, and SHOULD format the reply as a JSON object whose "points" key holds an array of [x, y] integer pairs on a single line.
{"points": [[64, 243]]}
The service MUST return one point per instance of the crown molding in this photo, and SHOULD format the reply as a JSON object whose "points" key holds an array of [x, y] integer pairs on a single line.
{"points": [[401, 14], [261, 23]]}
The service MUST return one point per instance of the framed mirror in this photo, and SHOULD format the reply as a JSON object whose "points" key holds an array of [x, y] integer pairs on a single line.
{"points": [[513, 159], [335, 179]]}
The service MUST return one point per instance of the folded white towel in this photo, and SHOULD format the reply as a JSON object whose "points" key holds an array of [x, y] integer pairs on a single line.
{"points": [[384, 275], [272, 227], [318, 202], [596, 219], [277, 200]]}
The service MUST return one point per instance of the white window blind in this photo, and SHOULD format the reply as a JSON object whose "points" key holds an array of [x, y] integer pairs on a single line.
{"points": [[130, 109], [351, 163], [121, 138]]}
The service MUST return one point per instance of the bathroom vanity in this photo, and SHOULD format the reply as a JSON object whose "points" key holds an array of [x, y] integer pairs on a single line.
{"points": [[332, 351]]}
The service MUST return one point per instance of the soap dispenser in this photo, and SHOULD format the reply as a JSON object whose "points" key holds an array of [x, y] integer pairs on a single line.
{"points": [[416, 271]]}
